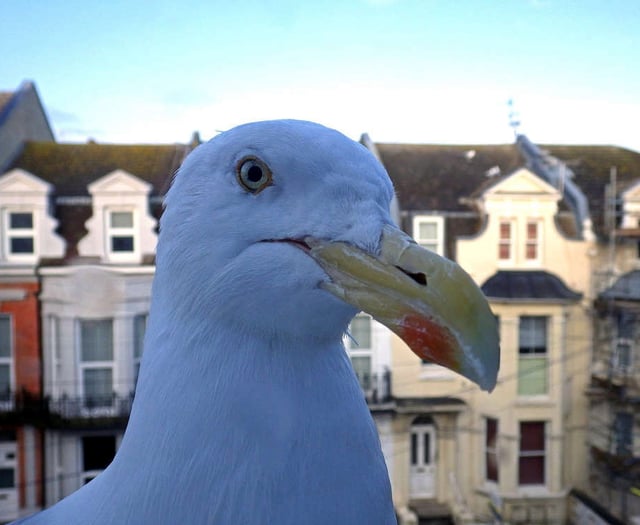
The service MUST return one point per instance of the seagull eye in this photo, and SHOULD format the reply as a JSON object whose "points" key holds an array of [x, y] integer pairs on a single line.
{"points": [[253, 174]]}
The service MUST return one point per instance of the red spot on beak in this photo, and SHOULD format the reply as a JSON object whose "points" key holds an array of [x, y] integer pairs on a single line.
{"points": [[431, 341]]}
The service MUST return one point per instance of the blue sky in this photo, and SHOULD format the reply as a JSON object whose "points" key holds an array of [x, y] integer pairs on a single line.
{"points": [[433, 71]]}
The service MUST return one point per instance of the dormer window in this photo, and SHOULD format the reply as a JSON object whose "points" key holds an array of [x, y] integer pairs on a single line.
{"points": [[20, 233], [27, 230], [121, 232], [121, 229], [428, 231]]}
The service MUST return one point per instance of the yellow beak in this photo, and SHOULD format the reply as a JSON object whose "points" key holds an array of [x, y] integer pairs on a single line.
{"points": [[430, 302]]}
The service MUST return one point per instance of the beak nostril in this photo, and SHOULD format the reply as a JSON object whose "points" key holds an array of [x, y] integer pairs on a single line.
{"points": [[418, 277]]}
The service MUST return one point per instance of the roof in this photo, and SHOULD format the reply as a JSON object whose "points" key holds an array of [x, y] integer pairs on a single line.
{"points": [[528, 285], [5, 96], [626, 288], [70, 168], [591, 166], [435, 177]]}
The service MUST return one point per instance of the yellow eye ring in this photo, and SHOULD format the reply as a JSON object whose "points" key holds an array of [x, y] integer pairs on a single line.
{"points": [[253, 174]]}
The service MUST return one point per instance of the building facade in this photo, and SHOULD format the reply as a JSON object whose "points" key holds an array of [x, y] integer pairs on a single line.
{"points": [[552, 241]]}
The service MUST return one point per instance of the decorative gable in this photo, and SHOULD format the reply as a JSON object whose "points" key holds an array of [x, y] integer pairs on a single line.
{"points": [[521, 231], [27, 228], [121, 230], [522, 184]]}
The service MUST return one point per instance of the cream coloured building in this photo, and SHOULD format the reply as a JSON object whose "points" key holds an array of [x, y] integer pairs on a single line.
{"points": [[523, 229]]}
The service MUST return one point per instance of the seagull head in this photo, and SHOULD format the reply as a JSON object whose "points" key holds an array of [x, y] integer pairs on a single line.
{"points": [[284, 227]]}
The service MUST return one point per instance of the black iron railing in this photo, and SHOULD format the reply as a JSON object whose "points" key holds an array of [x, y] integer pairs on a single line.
{"points": [[376, 387]]}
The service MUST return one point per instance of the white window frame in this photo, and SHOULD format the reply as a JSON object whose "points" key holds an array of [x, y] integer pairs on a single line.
{"points": [[9, 361], [354, 349], [114, 231], [434, 244], [95, 365], [138, 344], [9, 233], [511, 242]]}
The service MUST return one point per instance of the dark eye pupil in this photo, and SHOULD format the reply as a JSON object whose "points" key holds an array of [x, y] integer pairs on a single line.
{"points": [[254, 174]]}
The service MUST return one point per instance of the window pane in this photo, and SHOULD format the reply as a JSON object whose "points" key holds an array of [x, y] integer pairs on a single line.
{"points": [[98, 386], [122, 243], [427, 448], [504, 251], [5, 381], [428, 230], [623, 434], [532, 231], [5, 336], [360, 331], [414, 448], [622, 356], [97, 452], [96, 340], [531, 436], [505, 230], [121, 219], [533, 335], [7, 478], [21, 221], [532, 453], [532, 376], [625, 323], [491, 456], [21, 244], [139, 327], [531, 470], [362, 368], [532, 251]]}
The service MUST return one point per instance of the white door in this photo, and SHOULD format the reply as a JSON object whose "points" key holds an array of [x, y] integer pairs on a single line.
{"points": [[423, 464]]}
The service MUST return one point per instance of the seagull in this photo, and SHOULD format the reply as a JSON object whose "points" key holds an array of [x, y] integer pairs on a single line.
{"points": [[247, 410]]}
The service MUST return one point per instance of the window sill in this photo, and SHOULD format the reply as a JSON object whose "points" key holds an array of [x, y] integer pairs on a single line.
{"points": [[535, 401], [435, 373], [521, 492]]}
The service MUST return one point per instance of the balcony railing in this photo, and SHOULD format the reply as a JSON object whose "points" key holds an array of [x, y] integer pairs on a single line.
{"points": [[65, 410], [111, 406], [376, 387]]}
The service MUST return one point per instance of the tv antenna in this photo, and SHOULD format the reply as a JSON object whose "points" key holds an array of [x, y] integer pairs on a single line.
{"points": [[514, 118]]}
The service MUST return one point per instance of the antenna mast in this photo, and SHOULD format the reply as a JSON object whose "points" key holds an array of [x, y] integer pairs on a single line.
{"points": [[514, 118]]}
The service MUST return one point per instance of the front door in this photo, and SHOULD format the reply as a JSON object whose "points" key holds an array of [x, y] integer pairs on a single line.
{"points": [[423, 464]]}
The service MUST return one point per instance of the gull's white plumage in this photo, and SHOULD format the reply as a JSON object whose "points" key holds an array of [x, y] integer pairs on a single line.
{"points": [[247, 409]]}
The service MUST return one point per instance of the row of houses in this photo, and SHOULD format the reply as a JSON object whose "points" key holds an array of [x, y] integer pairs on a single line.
{"points": [[552, 236]]}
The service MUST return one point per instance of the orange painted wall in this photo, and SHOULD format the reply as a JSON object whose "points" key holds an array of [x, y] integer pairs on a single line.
{"points": [[27, 371], [26, 333]]}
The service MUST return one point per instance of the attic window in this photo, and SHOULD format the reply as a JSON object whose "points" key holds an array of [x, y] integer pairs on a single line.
{"points": [[428, 231], [121, 232], [532, 250], [19, 234], [505, 242]]}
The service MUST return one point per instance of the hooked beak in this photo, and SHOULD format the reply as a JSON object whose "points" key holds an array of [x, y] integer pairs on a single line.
{"points": [[430, 302]]}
